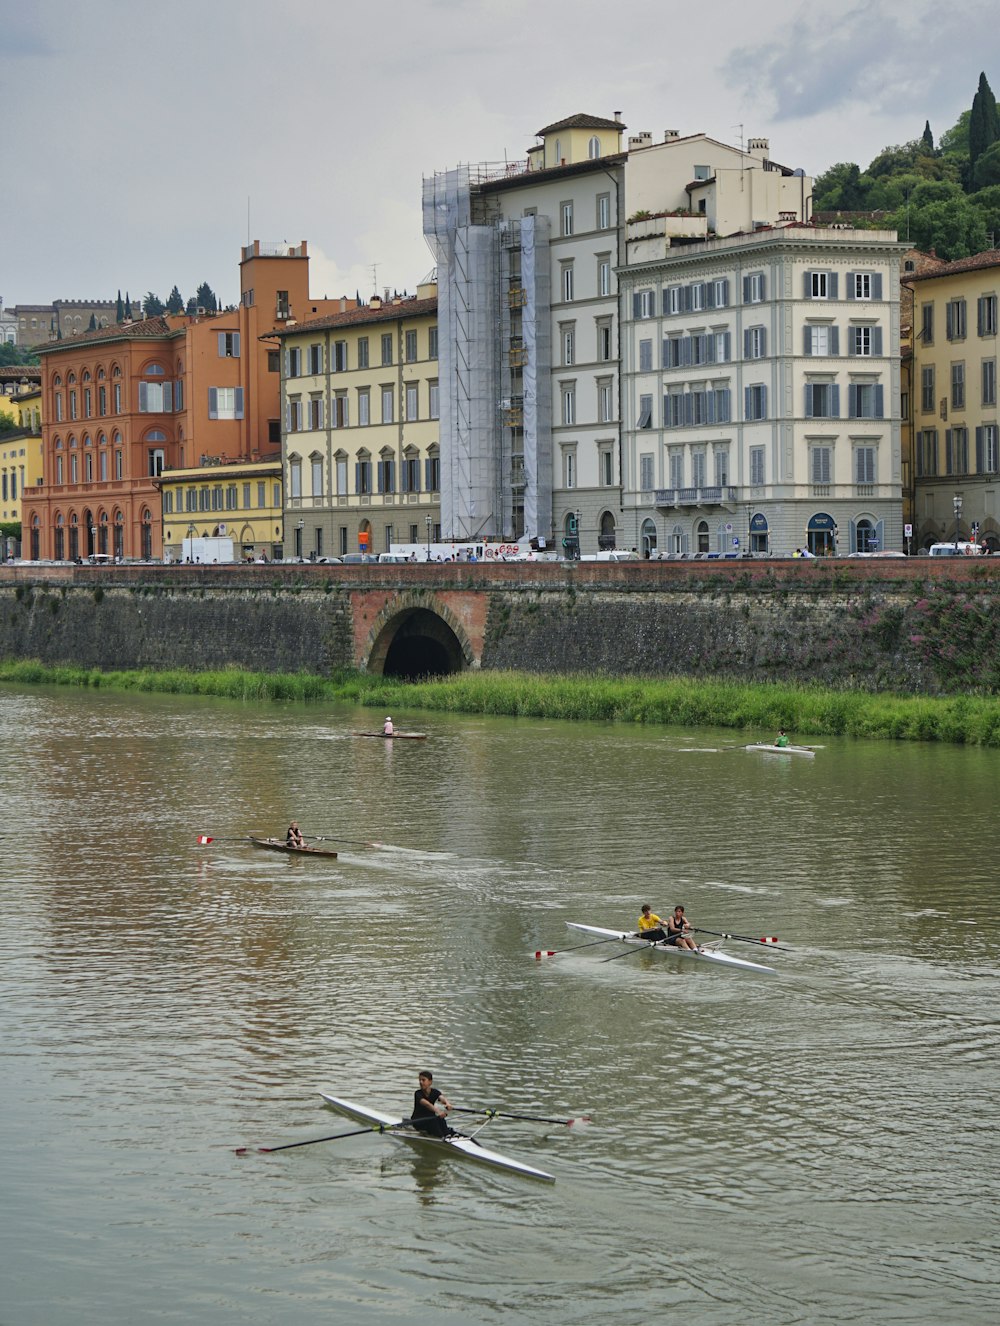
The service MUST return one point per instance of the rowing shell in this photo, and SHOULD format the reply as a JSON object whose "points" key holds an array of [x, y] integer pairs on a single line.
{"points": [[464, 1146], [703, 954], [276, 845], [395, 736], [767, 749]]}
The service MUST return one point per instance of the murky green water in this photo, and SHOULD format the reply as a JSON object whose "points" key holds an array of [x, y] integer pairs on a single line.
{"points": [[816, 1147]]}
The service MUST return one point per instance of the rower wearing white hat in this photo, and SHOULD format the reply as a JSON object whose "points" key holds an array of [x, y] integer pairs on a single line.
{"points": [[387, 729]]}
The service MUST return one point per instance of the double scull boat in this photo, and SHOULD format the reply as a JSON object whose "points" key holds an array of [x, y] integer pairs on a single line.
{"points": [[661, 946], [458, 1145]]}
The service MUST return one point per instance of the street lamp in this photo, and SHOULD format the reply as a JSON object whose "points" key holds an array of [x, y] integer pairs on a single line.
{"points": [[430, 521], [956, 502], [749, 520]]}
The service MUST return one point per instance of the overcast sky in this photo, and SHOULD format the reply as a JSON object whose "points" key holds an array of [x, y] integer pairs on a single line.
{"points": [[138, 136]]}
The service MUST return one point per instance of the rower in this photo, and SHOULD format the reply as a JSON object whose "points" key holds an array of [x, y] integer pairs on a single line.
{"points": [[650, 925], [430, 1108], [293, 838], [387, 729], [781, 741], [679, 930]]}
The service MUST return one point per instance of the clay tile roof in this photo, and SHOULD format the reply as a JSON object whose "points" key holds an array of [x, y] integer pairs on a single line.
{"points": [[388, 311], [15, 372], [989, 258], [581, 121], [144, 329]]}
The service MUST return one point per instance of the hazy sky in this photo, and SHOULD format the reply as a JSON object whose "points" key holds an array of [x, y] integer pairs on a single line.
{"points": [[136, 132]]}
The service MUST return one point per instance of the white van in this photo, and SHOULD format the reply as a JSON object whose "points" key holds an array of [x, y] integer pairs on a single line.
{"points": [[961, 548], [611, 555]]}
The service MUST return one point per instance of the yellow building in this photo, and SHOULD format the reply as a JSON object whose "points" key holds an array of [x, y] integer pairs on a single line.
{"points": [[237, 500], [360, 449], [20, 456], [953, 401]]}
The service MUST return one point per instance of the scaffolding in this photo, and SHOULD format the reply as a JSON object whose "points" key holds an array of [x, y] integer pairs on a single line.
{"points": [[494, 343]]}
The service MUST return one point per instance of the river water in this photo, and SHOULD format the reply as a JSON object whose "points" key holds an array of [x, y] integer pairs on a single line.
{"points": [[817, 1146]]}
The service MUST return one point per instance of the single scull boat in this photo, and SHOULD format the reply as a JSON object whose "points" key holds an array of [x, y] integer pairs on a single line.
{"points": [[661, 946], [463, 1146], [276, 845], [768, 749]]}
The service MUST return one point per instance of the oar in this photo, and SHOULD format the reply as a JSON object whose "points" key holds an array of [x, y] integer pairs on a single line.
{"points": [[354, 842], [204, 839], [332, 1137], [644, 948], [770, 940], [530, 1118], [554, 952]]}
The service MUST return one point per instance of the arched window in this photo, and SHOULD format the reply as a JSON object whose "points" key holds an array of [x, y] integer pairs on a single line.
{"points": [[606, 537], [594, 148], [147, 534], [701, 531], [648, 538], [119, 534], [59, 551]]}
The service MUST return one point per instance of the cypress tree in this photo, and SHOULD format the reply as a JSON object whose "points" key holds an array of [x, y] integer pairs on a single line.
{"points": [[984, 128], [119, 308], [927, 140]]}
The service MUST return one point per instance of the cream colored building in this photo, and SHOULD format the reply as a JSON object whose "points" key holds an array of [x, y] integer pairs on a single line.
{"points": [[360, 447], [953, 401], [760, 389], [530, 253]]}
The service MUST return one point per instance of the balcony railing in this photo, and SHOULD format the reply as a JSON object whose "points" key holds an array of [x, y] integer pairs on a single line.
{"points": [[714, 496]]}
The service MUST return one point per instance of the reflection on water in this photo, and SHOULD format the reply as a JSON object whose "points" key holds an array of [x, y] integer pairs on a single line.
{"points": [[753, 1136]]}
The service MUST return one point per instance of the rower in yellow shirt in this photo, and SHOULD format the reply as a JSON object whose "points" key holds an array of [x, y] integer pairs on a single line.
{"points": [[650, 925]]}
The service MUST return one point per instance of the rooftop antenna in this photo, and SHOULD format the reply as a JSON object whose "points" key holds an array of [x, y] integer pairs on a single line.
{"points": [[375, 277], [742, 154], [248, 220]]}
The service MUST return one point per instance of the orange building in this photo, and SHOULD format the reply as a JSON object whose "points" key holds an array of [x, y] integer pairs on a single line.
{"points": [[122, 405]]}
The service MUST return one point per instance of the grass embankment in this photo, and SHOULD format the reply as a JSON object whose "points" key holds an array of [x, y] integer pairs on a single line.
{"points": [[759, 709]]}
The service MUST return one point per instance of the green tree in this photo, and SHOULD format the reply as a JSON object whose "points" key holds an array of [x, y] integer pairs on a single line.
{"points": [[205, 298], [954, 142], [987, 168], [17, 354], [951, 226], [175, 301], [984, 129], [987, 204], [893, 160], [927, 139], [152, 306], [828, 188]]}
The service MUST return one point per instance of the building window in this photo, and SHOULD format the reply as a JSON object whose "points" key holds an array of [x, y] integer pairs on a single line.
{"points": [[388, 403], [338, 410], [720, 460], [569, 404], [643, 304], [821, 339], [227, 403], [986, 319], [102, 401], [567, 281], [294, 415], [645, 356], [756, 401], [434, 403], [411, 473], [864, 400], [958, 385], [755, 343], [722, 347], [927, 453], [604, 211], [821, 285], [412, 402], [315, 359], [229, 345], [927, 389], [432, 473], [606, 467], [386, 349], [754, 287], [605, 402], [566, 218], [410, 346], [604, 341], [987, 451], [954, 320], [989, 382], [865, 340], [432, 343], [316, 475], [594, 148], [645, 419], [340, 466], [956, 450], [362, 352], [820, 465], [646, 473], [860, 285], [315, 412], [364, 407], [386, 475], [363, 476], [293, 362], [822, 400], [865, 465], [569, 469], [569, 345], [156, 397]]}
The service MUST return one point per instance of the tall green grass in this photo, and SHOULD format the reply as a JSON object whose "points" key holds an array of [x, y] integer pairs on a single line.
{"points": [[759, 709]]}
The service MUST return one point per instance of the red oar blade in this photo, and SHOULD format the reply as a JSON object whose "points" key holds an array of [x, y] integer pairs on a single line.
{"points": [[204, 839]]}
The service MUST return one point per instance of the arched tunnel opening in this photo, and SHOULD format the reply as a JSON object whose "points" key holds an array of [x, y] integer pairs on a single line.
{"points": [[417, 643]]}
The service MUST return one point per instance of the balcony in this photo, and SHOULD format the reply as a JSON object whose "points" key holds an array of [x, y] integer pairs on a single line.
{"points": [[686, 497]]}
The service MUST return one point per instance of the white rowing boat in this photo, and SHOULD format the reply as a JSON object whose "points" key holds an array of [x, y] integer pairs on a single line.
{"points": [[702, 954], [766, 748], [464, 1146]]}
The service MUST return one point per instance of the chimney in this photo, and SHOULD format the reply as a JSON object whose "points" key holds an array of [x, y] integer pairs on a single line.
{"points": [[639, 140], [668, 134], [617, 116]]}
